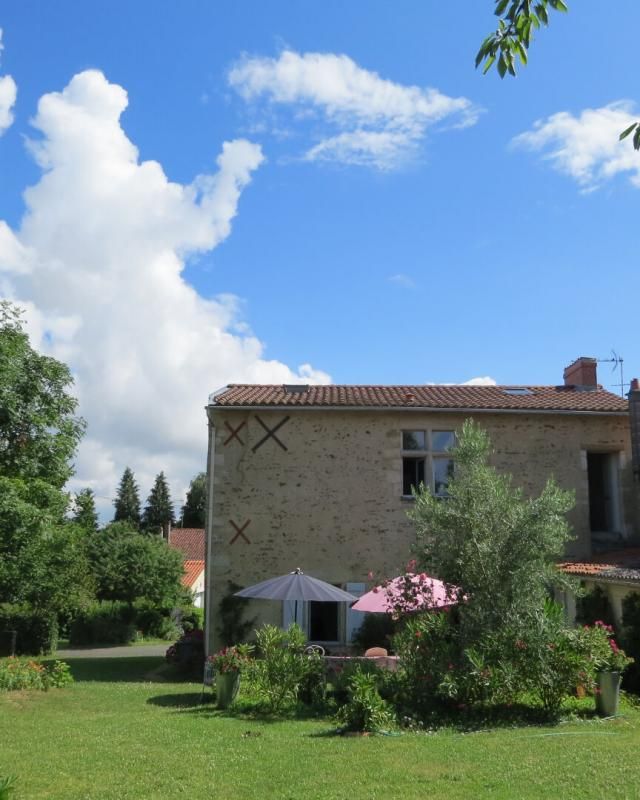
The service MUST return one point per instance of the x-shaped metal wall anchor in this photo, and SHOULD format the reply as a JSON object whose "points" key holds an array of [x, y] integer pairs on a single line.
{"points": [[271, 433], [239, 531], [233, 432]]}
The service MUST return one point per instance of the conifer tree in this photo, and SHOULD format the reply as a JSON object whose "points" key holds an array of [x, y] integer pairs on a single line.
{"points": [[158, 513], [193, 510], [85, 514], [127, 500]]}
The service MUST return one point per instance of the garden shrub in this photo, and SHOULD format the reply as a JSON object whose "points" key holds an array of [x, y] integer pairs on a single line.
{"points": [[118, 622], [428, 650], [155, 622], [21, 673], [279, 673], [385, 680], [365, 710], [37, 630], [191, 618], [630, 638], [187, 654], [104, 623]]}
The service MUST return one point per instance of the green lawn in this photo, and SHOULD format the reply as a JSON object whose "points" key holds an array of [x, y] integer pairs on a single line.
{"points": [[121, 733]]}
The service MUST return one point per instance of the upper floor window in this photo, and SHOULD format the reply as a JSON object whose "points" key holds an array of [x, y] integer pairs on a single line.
{"points": [[426, 460]]}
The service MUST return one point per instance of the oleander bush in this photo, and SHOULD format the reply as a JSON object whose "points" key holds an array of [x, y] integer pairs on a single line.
{"points": [[22, 673], [278, 674], [365, 710]]}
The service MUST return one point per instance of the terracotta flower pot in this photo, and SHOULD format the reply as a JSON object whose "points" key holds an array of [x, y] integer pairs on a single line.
{"points": [[608, 693], [227, 685]]}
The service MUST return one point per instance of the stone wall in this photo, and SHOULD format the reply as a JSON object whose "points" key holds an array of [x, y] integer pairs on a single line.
{"points": [[331, 502]]}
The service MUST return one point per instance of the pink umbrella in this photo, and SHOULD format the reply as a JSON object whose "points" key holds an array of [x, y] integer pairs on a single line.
{"points": [[408, 593]]}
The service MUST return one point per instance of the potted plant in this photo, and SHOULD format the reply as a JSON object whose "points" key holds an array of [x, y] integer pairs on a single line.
{"points": [[227, 665], [611, 662]]}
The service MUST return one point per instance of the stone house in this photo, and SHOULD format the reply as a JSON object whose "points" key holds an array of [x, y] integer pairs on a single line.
{"points": [[319, 477]]}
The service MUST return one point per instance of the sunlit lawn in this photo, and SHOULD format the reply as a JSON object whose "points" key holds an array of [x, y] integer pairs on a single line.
{"points": [[120, 732]]}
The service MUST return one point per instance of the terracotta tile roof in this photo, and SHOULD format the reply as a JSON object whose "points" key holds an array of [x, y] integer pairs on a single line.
{"points": [[190, 542], [525, 398], [620, 565], [192, 571]]}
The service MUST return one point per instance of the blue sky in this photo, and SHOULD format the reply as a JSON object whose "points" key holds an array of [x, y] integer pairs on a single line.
{"points": [[454, 253]]}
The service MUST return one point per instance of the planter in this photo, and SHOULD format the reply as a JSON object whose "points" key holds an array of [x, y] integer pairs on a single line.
{"points": [[227, 684], [608, 693]]}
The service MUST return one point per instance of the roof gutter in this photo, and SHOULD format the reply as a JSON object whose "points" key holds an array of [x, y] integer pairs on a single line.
{"points": [[213, 408]]}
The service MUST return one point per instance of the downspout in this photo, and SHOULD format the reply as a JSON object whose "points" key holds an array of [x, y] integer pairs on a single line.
{"points": [[634, 424], [209, 535]]}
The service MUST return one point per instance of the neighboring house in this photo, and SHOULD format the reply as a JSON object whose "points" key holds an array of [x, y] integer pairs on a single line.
{"points": [[191, 543], [320, 477]]}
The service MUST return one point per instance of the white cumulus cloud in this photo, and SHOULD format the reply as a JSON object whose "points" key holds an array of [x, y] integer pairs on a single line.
{"points": [[375, 122], [97, 262], [586, 147], [8, 94]]}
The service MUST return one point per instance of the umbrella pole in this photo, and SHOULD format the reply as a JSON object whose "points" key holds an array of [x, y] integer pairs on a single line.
{"points": [[295, 612]]}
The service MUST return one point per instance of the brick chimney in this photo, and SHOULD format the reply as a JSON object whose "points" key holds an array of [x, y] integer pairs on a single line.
{"points": [[634, 420], [582, 373]]}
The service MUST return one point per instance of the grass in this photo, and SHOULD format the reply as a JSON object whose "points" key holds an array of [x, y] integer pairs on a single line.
{"points": [[124, 732], [63, 644]]}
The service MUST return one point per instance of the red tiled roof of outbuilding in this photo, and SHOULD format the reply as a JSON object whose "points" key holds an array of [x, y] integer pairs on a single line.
{"points": [[437, 397], [192, 571], [617, 565], [190, 542]]}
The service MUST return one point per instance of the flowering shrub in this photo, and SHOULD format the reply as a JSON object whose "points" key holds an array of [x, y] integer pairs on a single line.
{"points": [[188, 652], [232, 659], [21, 673], [605, 653], [428, 650]]}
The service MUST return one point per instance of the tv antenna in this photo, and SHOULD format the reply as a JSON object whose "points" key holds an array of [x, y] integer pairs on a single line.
{"points": [[618, 363]]}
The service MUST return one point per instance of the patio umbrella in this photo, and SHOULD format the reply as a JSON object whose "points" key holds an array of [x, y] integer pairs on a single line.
{"points": [[297, 586], [429, 593]]}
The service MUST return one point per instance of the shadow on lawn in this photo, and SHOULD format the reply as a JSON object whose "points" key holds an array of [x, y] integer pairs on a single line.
{"points": [[135, 669], [245, 710]]}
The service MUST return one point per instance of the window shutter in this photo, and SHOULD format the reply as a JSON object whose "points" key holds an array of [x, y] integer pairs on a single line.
{"points": [[289, 615], [355, 618]]}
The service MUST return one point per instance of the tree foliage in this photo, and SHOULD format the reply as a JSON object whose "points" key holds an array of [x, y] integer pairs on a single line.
{"points": [[130, 566], [510, 42], [512, 38], [39, 429], [127, 502], [496, 545], [42, 557], [194, 509], [159, 509], [85, 514]]}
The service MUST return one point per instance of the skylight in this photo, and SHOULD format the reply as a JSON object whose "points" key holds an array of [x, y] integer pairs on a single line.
{"points": [[517, 391], [295, 388]]}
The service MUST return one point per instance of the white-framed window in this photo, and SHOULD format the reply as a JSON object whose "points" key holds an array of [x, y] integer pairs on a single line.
{"points": [[426, 459]]}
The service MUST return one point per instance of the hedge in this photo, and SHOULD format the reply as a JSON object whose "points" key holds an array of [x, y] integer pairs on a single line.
{"points": [[36, 629]]}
